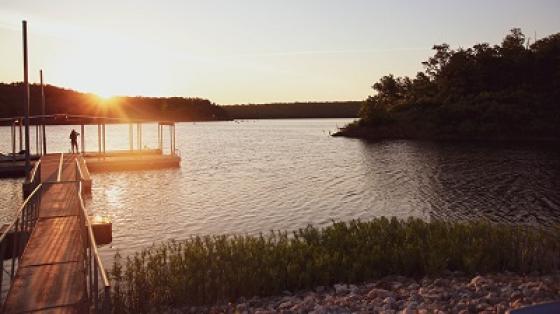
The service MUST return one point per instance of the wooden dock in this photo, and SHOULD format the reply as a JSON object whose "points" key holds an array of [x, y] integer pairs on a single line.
{"points": [[55, 265], [51, 274]]}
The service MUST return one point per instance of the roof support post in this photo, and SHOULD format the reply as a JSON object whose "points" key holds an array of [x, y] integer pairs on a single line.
{"points": [[174, 142], [130, 137], [160, 136], [139, 136], [20, 135], [13, 140], [37, 147], [104, 139], [83, 132], [99, 138]]}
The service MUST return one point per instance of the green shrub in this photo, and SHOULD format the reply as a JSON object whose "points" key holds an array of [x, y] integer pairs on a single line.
{"points": [[203, 270]]}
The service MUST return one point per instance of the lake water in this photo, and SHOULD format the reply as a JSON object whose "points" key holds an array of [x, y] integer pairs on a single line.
{"points": [[255, 176]]}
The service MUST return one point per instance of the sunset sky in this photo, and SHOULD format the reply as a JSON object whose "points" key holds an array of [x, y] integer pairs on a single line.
{"points": [[248, 51]]}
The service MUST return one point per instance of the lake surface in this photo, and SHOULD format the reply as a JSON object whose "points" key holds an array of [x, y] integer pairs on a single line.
{"points": [[255, 176]]}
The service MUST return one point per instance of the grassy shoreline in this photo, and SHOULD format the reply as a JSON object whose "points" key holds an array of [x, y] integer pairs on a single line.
{"points": [[206, 270]]}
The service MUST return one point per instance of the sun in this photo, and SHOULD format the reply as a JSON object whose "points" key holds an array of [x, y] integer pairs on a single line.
{"points": [[103, 96]]}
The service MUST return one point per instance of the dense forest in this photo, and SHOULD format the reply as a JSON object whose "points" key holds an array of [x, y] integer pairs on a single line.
{"points": [[65, 101], [337, 109], [507, 91]]}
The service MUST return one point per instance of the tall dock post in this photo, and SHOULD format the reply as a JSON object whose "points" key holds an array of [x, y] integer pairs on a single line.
{"points": [[26, 100], [43, 112]]}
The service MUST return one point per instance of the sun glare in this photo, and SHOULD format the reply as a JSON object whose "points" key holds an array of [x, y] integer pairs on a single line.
{"points": [[103, 99]]}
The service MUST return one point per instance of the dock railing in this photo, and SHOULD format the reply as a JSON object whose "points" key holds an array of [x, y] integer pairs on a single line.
{"points": [[34, 179], [94, 266], [13, 239]]}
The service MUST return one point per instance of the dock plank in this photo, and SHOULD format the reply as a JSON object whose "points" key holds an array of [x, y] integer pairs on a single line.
{"points": [[59, 199], [55, 240], [48, 287], [49, 167]]}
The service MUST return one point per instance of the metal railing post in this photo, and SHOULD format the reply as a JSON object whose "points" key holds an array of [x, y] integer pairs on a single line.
{"points": [[95, 288], [14, 250], [2, 249]]}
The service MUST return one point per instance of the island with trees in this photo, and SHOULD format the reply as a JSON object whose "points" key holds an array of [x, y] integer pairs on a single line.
{"points": [[502, 92]]}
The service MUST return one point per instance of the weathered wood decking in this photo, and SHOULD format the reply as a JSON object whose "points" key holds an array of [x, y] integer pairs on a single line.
{"points": [[51, 276]]}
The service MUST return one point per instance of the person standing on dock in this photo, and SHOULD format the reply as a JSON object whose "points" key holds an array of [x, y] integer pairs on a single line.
{"points": [[74, 141]]}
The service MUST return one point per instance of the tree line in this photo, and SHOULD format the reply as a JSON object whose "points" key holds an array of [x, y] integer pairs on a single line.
{"points": [[66, 101], [334, 109]]}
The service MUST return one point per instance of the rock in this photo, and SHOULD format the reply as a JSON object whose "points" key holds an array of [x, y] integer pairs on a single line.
{"points": [[477, 281], [241, 307], [515, 295], [501, 308], [387, 307], [396, 285], [319, 309], [471, 307], [516, 304], [381, 293], [460, 306], [341, 289], [389, 300], [441, 282], [412, 306], [285, 305], [482, 306], [320, 289], [491, 298]]}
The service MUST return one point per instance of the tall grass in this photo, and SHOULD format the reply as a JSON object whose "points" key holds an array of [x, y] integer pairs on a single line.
{"points": [[203, 270]]}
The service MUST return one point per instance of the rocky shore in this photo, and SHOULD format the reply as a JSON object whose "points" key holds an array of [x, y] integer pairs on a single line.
{"points": [[453, 293]]}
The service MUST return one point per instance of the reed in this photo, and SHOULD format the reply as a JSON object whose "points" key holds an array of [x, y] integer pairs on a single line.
{"points": [[220, 268]]}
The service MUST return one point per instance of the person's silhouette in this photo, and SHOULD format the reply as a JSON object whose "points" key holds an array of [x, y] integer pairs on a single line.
{"points": [[74, 141]]}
